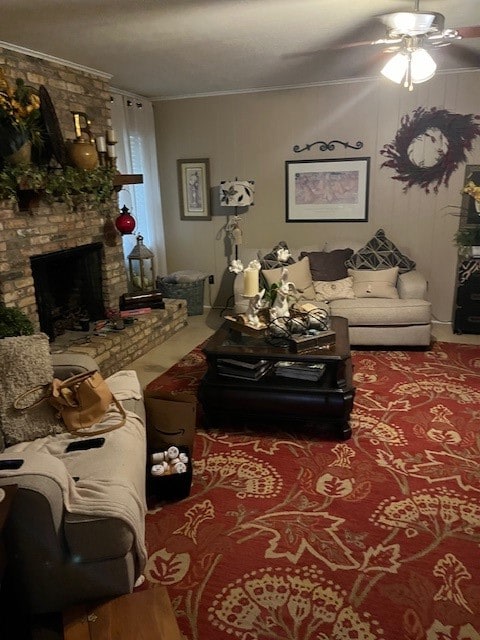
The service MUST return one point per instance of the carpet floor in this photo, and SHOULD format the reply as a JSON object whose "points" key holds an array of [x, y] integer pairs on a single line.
{"points": [[292, 536]]}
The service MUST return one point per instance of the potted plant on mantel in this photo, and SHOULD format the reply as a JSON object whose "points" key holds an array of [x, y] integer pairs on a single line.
{"points": [[467, 240], [19, 121]]}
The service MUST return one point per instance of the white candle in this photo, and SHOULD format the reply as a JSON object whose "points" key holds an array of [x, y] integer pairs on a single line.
{"points": [[111, 137], [101, 145], [250, 282], [111, 151]]}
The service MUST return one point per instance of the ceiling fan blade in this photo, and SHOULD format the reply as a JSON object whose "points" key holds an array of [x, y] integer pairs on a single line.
{"points": [[460, 54], [469, 32]]}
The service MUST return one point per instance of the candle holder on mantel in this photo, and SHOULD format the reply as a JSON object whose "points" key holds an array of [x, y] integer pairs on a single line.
{"points": [[111, 137]]}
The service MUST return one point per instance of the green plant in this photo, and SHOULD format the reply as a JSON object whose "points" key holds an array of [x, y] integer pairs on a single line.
{"points": [[75, 187], [13, 322], [467, 237]]}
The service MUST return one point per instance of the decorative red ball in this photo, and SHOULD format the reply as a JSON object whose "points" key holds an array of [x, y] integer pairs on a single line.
{"points": [[125, 222]]}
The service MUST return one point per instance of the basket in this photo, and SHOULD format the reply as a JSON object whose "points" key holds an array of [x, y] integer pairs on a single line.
{"points": [[192, 292]]}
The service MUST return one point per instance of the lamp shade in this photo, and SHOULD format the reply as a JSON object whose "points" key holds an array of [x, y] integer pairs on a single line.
{"points": [[237, 193]]}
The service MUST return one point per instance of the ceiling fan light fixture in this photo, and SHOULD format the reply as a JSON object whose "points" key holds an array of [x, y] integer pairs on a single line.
{"points": [[411, 23], [410, 67], [396, 67], [423, 66]]}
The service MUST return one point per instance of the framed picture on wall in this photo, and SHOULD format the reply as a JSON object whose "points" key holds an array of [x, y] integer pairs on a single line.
{"points": [[470, 210], [327, 190], [194, 189]]}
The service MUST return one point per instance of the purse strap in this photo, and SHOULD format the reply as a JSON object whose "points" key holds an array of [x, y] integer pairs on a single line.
{"points": [[47, 387], [111, 427]]}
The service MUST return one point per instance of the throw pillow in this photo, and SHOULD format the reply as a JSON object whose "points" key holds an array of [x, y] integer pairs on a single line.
{"points": [[334, 289], [25, 362], [375, 284], [298, 273], [328, 265], [273, 259], [380, 253]]}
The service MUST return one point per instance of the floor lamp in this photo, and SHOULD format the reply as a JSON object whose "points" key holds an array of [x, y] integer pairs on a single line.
{"points": [[236, 193]]}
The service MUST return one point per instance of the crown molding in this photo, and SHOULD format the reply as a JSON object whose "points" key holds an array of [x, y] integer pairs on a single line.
{"points": [[325, 83], [48, 58]]}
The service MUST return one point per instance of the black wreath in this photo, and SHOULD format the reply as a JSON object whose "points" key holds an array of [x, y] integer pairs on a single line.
{"points": [[458, 129]]}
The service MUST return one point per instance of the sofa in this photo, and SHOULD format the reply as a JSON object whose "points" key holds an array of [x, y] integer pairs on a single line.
{"points": [[374, 285], [76, 528]]}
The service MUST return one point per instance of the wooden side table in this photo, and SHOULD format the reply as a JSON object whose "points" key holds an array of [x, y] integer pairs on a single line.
{"points": [[143, 615], [5, 506]]}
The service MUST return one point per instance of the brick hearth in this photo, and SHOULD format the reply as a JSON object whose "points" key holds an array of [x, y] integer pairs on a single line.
{"points": [[116, 350]]}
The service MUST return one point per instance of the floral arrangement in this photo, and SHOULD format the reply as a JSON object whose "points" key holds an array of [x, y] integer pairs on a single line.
{"points": [[473, 190], [19, 116]]}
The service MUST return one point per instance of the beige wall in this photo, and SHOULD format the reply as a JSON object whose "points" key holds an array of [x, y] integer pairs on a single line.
{"points": [[250, 136]]}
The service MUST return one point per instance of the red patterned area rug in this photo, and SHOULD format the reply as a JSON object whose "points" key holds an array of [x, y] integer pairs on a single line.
{"points": [[289, 537]]}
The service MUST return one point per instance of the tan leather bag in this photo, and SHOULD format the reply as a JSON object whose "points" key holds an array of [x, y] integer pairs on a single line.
{"points": [[81, 401]]}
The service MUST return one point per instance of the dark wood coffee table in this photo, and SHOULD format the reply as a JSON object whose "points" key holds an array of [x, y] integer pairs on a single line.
{"points": [[324, 403]]}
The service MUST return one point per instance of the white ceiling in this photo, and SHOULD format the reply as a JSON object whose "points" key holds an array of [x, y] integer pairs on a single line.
{"points": [[171, 48]]}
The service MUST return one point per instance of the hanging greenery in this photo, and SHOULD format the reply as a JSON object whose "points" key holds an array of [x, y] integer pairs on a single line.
{"points": [[77, 188], [459, 132]]}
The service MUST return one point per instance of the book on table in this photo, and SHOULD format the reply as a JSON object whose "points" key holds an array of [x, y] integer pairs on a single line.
{"points": [[242, 368], [302, 370]]}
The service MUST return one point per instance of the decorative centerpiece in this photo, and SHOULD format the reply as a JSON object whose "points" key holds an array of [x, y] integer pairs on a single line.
{"points": [[20, 121], [276, 313]]}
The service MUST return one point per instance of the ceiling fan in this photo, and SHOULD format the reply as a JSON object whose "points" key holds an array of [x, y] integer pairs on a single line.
{"points": [[409, 35]]}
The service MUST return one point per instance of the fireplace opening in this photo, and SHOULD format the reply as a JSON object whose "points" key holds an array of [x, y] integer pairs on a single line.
{"points": [[68, 288]]}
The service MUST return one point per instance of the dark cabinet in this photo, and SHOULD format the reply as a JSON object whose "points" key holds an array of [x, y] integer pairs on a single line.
{"points": [[467, 298]]}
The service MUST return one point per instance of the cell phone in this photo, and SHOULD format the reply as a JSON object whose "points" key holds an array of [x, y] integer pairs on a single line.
{"points": [[82, 445], [11, 464]]}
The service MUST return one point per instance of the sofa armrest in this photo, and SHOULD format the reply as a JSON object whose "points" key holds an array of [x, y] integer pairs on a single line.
{"points": [[70, 364], [412, 285]]}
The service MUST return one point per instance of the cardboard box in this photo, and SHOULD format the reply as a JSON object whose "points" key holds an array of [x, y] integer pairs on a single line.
{"points": [[171, 419]]}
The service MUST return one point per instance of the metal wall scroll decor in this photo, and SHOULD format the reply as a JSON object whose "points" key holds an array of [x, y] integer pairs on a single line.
{"points": [[327, 146], [429, 146]]}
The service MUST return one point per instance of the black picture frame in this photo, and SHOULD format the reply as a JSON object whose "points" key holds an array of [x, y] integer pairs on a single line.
{"points": [[194, 188], [327, 190]]}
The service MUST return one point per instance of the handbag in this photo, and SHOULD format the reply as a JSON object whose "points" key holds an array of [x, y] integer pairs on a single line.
{"points": [[81, 401]]}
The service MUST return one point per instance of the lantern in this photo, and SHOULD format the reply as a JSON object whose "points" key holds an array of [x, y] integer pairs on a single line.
{"points": [[140, 266], [125, 222]]}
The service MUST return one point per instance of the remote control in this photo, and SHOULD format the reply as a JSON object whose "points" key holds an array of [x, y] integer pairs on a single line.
{"points": [[10, 464], [82, 445]]}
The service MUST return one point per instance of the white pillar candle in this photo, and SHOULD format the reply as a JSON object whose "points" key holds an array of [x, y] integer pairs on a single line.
{"points": [[250, 283], [111, 137], [100, 143], [111, 151]]}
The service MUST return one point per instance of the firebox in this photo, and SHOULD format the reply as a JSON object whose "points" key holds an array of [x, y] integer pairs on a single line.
{"points": [[68, 288]]}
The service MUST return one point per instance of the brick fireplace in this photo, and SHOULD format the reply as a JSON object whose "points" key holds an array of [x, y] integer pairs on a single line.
{"points": [[46, 230]]}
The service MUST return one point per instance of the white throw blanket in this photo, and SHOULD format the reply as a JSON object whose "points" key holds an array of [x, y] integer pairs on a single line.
{"points": [[111, 479]]}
